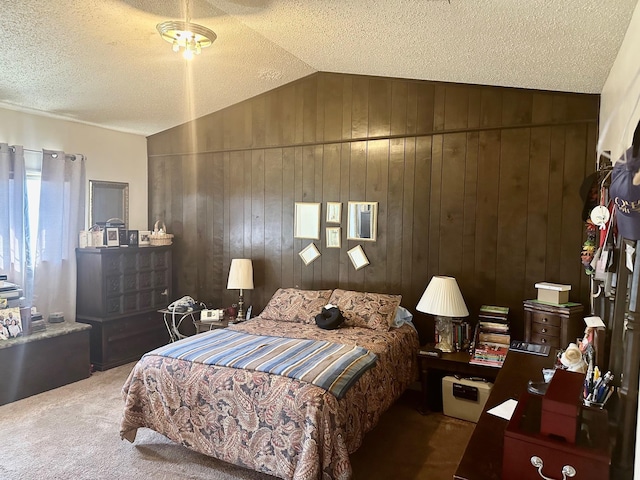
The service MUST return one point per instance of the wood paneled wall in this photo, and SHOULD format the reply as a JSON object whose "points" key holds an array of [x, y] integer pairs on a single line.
{"points": [[481, 183]]}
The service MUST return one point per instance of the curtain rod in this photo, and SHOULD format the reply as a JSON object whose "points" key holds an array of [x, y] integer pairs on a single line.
{"points": [[70, 156]]}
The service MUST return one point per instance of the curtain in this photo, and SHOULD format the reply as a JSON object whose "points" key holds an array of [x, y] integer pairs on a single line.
{"points": [[62, 205], [14, 227]]}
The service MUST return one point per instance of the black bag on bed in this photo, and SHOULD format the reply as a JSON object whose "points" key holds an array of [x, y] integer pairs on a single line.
{"points": [[329, 318]]}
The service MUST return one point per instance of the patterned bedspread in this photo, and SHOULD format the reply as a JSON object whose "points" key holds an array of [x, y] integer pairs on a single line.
{"points": [[281, 426]]}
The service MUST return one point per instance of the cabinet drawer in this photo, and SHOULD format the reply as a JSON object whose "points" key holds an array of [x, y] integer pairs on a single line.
{"points": [[161, 259], [144, 260], [113, 285], [111, 264], [545, 329], [546, 340], [546, 319], [160, 278]]}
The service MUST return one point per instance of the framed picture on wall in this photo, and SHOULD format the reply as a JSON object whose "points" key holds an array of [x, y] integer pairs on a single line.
{"points": [[334, 212], [333, 237], [307, 220], [358, 258], [309, 254]]}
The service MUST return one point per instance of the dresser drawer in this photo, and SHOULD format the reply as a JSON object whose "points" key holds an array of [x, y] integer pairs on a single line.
{"points": [[545, 329], [545, 318], [545, 340]]}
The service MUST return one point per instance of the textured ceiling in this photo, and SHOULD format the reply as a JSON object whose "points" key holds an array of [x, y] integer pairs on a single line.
{"points": [[102, 62]]}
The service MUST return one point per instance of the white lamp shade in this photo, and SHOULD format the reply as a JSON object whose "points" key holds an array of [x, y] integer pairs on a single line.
{"points": [[442, 297], [240, 274]]}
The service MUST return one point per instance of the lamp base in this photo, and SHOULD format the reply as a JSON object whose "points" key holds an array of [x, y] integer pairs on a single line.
{"points": [[444, 329], [241, 312]]}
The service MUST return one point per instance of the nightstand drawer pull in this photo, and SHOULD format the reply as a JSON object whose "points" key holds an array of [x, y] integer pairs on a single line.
{"points": [[567, 470], [544, 330]]}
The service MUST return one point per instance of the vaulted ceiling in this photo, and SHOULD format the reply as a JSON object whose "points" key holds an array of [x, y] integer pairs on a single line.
{"points": [[103, 62]]}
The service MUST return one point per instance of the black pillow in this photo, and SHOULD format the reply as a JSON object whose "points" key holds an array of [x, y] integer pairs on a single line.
{"points": [[330, 318]]}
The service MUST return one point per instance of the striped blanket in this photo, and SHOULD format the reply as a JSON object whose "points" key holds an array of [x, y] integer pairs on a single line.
{"points": [[331, 366]]}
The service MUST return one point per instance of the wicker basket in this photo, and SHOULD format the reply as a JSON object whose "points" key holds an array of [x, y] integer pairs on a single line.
{"points": [[159, 236]]}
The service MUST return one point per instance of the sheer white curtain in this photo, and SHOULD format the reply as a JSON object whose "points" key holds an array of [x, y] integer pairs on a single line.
{"points": [[14, 228], [62, 205]]}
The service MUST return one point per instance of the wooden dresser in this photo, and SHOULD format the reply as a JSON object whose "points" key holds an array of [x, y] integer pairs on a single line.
{"points": [[553, 325], [119, 292]]}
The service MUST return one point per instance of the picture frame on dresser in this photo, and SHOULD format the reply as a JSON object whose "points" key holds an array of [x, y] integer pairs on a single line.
{"points": [[133, 237], [113, 237], [144, 238]]}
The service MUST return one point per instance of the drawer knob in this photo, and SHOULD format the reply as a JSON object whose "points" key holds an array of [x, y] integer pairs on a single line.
{"points": [[544, 330], [545, 319], [544, 340], [567, 470]]}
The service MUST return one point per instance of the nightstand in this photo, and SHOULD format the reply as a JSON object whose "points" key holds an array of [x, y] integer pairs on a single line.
{"points": [[432, 369]]}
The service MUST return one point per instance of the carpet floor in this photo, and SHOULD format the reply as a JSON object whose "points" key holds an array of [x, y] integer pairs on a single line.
{"points": [[72, 433]]}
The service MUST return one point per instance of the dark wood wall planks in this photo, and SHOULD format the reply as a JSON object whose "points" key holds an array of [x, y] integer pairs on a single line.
{"points": [[481, 183]]}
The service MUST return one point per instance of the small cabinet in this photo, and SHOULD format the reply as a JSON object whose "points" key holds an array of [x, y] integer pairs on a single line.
{"points": [[553, 325], [120, 291]]}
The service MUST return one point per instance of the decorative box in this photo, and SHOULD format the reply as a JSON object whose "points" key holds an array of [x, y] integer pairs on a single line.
{"points": [[561, 405], [553, 293], [528, 454]]}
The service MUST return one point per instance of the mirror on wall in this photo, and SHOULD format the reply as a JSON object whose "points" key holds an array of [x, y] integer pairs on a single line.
{"points": [[108, 200], [362, 221]]}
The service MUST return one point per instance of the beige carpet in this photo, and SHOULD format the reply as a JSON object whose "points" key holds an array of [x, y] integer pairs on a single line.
{"points": [[72, 433]]}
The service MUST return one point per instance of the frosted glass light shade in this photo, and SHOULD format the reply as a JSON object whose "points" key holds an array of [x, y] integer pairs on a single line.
{"points": [[240, 274], [442, 297]]}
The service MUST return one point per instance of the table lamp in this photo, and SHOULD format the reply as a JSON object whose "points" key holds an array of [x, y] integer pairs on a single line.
{"points": [[443, 299], [240, 277]]}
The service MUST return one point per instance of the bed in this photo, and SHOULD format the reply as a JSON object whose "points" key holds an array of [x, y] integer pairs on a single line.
{"points": [[274, 424]]}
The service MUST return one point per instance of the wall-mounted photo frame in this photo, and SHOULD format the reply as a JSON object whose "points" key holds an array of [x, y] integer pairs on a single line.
{"points": [[309, 253], [358, 257], [362, 221], [333, 237], [307, 220], [144, 237], [334, 212], [113, 237]]}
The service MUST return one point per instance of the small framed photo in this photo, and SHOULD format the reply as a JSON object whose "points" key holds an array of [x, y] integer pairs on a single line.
{"points": [[333, 235], [143, 237], [358, 258], [124, 238], [10, 323], [334, 212], [309, 253], [133, 238], [113, 237]]}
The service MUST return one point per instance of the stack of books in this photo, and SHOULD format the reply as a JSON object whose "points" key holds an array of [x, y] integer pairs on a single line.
{"points": [[38, 323], [460, 335], [492, 337]]}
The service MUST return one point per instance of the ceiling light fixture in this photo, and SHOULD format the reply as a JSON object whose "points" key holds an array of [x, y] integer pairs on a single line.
{"points": [[192, 38]]}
